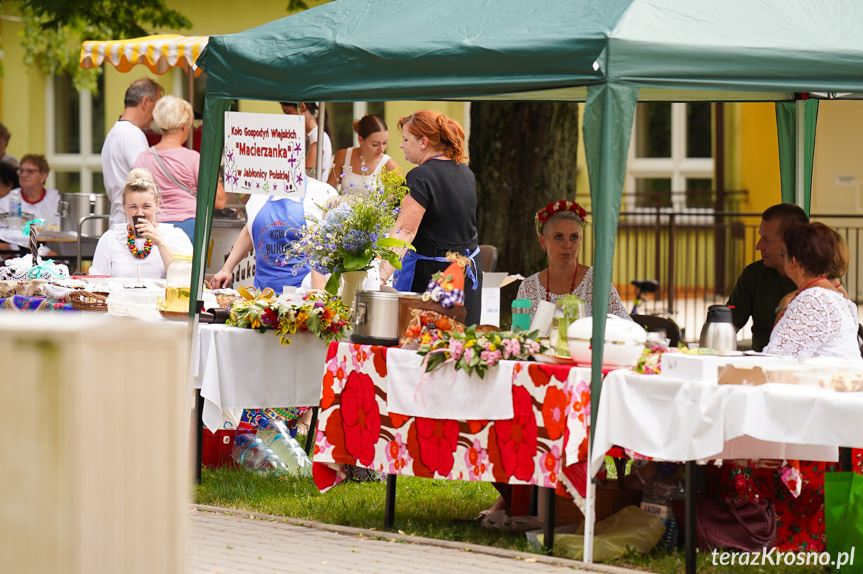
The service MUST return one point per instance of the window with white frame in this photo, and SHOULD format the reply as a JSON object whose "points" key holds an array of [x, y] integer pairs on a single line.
{"points": [[670, 164], [75, 131]]}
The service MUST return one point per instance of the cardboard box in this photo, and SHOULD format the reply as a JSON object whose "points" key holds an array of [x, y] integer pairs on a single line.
{"points": [[491, 286], [731, 375], [690, 367], [740, 368]]}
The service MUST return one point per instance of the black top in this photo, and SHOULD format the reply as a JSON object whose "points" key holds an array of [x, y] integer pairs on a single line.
{"points": [[447, 191], [758, 291]]}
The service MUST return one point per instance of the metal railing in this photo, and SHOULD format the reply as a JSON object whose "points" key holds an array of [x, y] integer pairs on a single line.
{"points": [[697, 257]]}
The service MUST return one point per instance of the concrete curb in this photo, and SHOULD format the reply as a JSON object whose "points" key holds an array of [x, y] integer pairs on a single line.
{"points": [[476, 548]]}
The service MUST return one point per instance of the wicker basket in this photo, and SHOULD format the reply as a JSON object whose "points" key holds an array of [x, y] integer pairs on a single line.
{"points": [[87, 301], [608, 502]]}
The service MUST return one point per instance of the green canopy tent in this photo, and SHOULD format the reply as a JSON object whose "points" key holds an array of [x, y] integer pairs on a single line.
{"points": [[608, 53]]}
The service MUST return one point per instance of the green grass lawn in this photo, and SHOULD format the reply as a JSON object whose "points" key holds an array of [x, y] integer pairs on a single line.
{"points": [[442, 509]]}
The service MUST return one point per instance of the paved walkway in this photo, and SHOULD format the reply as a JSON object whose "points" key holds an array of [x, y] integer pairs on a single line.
{"points": [[258, 543]]}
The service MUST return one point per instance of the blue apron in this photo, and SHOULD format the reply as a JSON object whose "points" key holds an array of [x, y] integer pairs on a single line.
{"points": [[275, 227], [403, 278]]}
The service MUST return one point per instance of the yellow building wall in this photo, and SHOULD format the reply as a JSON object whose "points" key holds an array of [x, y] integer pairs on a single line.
{"points": [[23, 93], [397, 110], [837, 173], [758, 156]]}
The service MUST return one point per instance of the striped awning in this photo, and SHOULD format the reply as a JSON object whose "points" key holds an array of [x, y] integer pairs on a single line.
{"points": [[158, 53]]}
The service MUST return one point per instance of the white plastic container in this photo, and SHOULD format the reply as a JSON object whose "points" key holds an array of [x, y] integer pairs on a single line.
{"points": [[624, 341], [135, 303]]}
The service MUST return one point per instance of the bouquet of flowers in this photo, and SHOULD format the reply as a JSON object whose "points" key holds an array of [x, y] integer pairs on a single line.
{"points": [[475, 352], [353, 232], [320, 313]]}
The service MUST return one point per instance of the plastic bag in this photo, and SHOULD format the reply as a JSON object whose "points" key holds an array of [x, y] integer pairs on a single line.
{"points": [[843, 518], [630, 528]]}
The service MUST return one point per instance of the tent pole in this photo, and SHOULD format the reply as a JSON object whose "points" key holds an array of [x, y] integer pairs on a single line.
{"points": [[800, 145], [190, 76], [607, 126], [319, 160]]}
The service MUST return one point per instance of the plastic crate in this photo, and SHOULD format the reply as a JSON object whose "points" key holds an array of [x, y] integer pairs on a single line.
{"points": [[217, 447]]}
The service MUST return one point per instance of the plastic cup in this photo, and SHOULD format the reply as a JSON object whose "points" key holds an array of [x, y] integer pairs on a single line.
{"points": [[136, 219]]}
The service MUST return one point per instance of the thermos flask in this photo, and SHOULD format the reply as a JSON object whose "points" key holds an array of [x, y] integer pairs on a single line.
{"points": [[718, 332]]}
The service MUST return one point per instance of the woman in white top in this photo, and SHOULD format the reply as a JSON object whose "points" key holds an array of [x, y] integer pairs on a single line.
{"points": [[120, 254], [361, 166], [820, 321], [309, 111], [560, 227], [36, 201]]}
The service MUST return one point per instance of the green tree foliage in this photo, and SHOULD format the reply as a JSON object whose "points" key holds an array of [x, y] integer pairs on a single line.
{"points": [[54, 30]]}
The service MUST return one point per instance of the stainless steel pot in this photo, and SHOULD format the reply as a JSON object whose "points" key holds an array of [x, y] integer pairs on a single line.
{"points": [[73, 206], [376, 318]]}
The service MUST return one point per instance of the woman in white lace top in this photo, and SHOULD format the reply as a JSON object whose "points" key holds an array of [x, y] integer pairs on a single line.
{"points": [[820, 321], [560, 226]]}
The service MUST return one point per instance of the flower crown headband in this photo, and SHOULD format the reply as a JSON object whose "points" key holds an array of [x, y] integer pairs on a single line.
{"points": [[559, 206]]}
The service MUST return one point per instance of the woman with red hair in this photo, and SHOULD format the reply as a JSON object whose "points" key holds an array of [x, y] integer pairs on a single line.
{"points": [[439, 215]]}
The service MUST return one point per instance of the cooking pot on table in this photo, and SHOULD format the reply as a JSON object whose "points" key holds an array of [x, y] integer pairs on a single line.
{"points": [[376, 318], [73, 206]]}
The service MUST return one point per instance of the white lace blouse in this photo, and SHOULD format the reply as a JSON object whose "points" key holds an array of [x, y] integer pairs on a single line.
{"points": [[531, 288], [818, 323]]}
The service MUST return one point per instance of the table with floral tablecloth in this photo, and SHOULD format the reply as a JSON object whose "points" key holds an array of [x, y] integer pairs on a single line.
{"points": [[546, 437]]}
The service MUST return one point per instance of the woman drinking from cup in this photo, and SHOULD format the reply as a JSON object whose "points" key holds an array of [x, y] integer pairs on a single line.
{"points": [[142, 244]]}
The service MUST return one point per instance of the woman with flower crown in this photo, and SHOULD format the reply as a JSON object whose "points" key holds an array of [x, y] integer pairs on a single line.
{"points": [[120, 253], [560, 227]]}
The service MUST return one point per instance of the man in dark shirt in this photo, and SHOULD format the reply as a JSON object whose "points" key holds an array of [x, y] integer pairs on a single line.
{"points": [[763, 284]]}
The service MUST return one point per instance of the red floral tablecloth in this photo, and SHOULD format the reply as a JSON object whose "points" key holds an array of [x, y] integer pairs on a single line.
{"points": [[546, 437]]}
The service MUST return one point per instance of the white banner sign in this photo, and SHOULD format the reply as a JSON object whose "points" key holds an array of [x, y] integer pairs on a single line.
{"points": [[265, 153]]}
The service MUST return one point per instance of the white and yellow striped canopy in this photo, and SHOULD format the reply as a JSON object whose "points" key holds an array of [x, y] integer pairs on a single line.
{"points": [[159, 53]]}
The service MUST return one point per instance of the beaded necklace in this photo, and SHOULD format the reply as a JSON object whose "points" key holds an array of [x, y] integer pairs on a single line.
{"points": [[140, 254], [548, 285]]}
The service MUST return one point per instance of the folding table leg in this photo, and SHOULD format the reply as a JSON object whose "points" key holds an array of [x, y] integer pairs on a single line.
{"points": [[199, 434], [310, 438], [390, 506], [533, 509], [845, 461], [689, 531], [548, 527]]}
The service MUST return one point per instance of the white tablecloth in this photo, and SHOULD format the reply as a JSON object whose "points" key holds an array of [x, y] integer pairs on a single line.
{"points": [[446, 393], [245, 369], [672, 419]]}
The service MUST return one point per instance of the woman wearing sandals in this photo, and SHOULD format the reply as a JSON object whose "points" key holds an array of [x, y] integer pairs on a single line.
{"points": [[174, 167]]}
